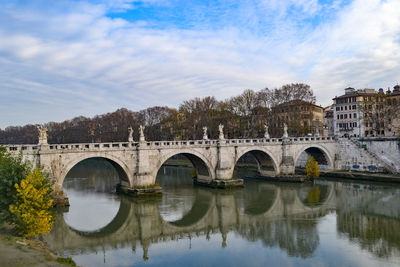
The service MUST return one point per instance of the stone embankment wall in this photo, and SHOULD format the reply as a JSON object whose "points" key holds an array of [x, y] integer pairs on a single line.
{"points": [[386, 149], [370, 154]]}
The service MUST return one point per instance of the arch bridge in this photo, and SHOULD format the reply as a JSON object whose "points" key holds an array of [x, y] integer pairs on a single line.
{"points": [[214, 160]]}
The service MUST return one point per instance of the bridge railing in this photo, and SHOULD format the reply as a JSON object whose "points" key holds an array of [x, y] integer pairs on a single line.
{"points": [[153, 144], [183, 143], [157, 144], [17, 148], [90, 146]]}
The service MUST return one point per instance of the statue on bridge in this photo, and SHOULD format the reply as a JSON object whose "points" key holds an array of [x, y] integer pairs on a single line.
{"points": [[141, 132], [316, 131], [285, 133], [130, 137], [42, 135], [205, 135], [266, 134], [221, 132]]}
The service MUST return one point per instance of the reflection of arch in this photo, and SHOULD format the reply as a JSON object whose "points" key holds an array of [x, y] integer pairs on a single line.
{"points": [[200, 163], [315, 195], [113, 226], [267, 196], [266, 161], [318, 152], [200, 208], [119, 166]]}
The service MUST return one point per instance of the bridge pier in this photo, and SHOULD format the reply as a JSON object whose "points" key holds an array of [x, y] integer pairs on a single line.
{"points": [[287, 166], [224, 170]]}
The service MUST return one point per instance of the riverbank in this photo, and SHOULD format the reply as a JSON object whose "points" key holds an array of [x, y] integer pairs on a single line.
{"points": [[363, 176], [20, 252]]}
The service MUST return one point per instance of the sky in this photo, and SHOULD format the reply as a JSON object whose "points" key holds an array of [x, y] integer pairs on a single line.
{"points": [[62, 59]]}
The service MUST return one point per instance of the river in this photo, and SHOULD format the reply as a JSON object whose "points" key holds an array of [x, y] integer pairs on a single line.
{"points": [[321, 223]]}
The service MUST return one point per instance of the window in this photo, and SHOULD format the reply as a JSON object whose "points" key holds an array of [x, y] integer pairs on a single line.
{"points": [[354, 124], [341, 116], [337, 108], [350, 116], [349, 107], [349, 99], [337, 116], [354, 107], [341, 108], [366, 133], [366, 124], [345, 116], [345, 107], [355, 115]]}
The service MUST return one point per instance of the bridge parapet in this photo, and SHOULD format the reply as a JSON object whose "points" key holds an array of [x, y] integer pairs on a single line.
{"points": [[167, 144], [17, 148], [178, 144]]}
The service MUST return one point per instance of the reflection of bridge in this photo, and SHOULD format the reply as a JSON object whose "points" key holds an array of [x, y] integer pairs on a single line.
{"points": [[138, 163], [212, 211]]}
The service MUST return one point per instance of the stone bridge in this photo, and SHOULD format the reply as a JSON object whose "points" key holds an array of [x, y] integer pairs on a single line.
{"points": [[140, 222], [137, 163]]}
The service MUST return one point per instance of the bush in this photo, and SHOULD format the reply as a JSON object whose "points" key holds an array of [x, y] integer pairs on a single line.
{"points": [[12, 171], [31, 212], [312, 169]]}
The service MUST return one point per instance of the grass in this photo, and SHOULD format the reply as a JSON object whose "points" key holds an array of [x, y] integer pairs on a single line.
{"points": [[68, 261], [27, 246]]}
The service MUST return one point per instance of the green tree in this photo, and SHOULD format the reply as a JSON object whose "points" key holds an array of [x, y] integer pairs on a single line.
{"points": [[312, 169], [31, 213], [13, 169]]}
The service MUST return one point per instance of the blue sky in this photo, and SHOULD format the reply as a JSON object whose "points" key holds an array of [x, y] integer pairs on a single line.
{"points": [[61, 59]]}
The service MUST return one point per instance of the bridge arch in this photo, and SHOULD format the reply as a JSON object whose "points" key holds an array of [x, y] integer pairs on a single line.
{"points": [[121, 168], [201, 164], [267, 163], [319, 152]]}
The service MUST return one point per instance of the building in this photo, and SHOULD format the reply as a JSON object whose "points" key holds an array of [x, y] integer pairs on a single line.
{"points": [[393, 102], [301, 117], [367, 113], [347, 112], [329, 122]]}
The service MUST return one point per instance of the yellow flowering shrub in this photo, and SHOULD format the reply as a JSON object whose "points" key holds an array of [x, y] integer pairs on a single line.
{"points": [[31, 213], [312, 169]]}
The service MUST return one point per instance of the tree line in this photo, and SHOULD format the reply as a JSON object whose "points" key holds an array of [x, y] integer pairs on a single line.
{"points": [[243, 116]]}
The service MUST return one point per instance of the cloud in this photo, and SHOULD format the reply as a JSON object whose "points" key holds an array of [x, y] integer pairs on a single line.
{"points": [[83, 58]]}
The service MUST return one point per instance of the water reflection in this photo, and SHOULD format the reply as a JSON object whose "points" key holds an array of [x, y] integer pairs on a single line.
{"points": [[88, 186], [264, 219], [179, 194]]}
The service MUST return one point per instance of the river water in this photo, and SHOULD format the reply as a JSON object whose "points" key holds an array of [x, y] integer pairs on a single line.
{"points": [[324, 223]]}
